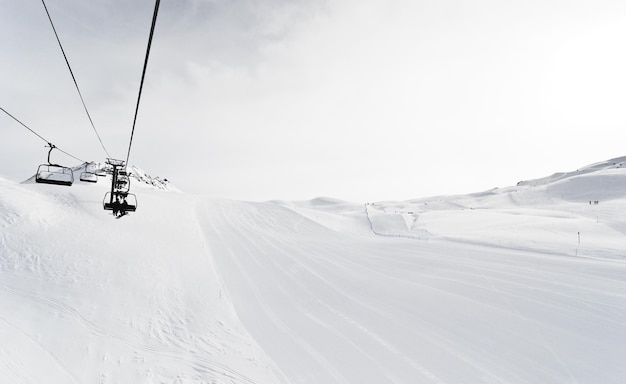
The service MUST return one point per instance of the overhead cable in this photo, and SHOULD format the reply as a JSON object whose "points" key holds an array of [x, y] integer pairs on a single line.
{"points": [[143, 75], [74, 78], [38, 135]]}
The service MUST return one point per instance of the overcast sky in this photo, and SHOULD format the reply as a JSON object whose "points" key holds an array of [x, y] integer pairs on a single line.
{"points": [[361, 100]]}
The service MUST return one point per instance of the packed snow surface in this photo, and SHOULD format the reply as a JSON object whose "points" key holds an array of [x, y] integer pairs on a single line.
{"points": [[524, 284]]}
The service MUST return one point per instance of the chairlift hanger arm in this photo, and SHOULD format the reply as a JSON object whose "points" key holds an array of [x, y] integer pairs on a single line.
{"points": [[51, 146]]}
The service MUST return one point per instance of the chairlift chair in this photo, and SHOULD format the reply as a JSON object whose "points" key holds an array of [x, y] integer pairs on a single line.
{"points": [[122, 183], [89, 177], [54, 173], [120, 201]]}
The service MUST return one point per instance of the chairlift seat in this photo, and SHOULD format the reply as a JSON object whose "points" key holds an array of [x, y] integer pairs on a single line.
{"points": [[89, 177], [111, 204], [122, 186], [54, 174]]}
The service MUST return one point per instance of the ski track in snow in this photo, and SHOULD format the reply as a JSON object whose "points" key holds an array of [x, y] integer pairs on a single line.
{"points": [[201, 363], [259, 249], [493, 287]]}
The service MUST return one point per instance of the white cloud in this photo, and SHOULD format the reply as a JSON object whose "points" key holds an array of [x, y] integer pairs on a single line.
{"points": [[355, 99]]}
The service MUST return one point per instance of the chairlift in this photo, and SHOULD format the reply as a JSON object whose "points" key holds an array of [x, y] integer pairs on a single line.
{"points": [[54, 173], [115, 163], [120, 202], [106, 169], [89, 177], [122, 183]]}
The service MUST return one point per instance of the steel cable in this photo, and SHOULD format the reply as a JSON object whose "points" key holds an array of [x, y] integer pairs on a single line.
{"points": [[143, 75], [38, 135], [74, 78]]}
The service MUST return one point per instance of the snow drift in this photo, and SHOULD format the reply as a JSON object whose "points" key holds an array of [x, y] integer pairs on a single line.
{"points": [[513, 285]]}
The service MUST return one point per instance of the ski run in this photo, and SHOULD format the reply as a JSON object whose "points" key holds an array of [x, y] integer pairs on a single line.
{"points": [[523, 284]]}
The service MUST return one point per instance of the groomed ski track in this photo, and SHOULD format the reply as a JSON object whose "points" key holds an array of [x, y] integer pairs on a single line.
{"points": [[357, 308]]}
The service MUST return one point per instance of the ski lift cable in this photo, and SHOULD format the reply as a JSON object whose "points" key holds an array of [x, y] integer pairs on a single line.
{"points": [[74, 78], [143, 75], [41, 137]]}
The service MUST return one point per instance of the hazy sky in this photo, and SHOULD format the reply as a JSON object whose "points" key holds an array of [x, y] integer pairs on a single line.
{"points": [[356, 99]]}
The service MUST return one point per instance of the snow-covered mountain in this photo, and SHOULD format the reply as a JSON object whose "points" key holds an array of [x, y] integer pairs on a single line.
{"points": [[512, 285]]}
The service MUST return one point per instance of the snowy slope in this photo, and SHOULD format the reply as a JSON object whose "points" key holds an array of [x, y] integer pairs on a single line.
{"points": [[90, 299], [546, 214], [492, 287]]}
